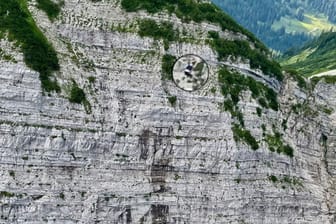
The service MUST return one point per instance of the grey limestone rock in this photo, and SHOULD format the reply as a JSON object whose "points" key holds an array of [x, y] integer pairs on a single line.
{"points": [[136, 158]]}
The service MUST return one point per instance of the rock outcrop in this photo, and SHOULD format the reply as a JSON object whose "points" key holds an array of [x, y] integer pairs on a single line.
{"points": [[135, 157]]}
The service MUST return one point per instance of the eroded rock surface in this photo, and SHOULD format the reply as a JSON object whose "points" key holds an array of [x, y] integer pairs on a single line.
{"points": [[138, 159]]}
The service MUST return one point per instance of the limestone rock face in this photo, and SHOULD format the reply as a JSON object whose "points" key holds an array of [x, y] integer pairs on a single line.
{"points": [[136, 158]]}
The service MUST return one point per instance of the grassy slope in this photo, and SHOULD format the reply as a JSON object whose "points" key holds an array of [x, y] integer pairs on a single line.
{"points": [[315, 57], [312, 24], [282, 24]]}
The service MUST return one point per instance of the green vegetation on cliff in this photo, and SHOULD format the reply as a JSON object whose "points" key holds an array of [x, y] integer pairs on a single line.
{"points": [[164, 31], [234, 83], [190, 10], [167, 66], [327, 79], [50, 8], [242, 48], [241, 134], [39, 54], [77, 95], [276, 144]]}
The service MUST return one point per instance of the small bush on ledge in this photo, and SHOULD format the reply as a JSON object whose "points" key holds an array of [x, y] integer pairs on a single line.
{"points": [[241, 134], [167, 65], [275, 143], [77, 95], [50, 8], [172, 100]]}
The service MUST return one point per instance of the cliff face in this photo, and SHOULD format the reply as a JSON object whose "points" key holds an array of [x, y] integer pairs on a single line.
{"points": [[134, 155]]}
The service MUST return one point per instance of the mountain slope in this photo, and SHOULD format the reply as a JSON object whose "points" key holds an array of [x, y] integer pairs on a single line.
{"points": [[282, 24], [314, 57], [121, 142]]}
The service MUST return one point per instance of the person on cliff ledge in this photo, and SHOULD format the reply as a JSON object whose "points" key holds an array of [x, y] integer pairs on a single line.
{"points": [[188, 70]]}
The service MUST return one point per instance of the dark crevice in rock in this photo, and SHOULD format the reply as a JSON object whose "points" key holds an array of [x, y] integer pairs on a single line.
{"points": [[156, 148], [126, 216], [323, 141]]}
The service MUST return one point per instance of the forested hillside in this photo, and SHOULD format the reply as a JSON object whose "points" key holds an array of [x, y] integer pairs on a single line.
{"points": [[282, 24], [314, 57]]}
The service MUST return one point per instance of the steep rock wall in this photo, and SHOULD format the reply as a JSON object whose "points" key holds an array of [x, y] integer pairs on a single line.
{"points": [[136, 158]]}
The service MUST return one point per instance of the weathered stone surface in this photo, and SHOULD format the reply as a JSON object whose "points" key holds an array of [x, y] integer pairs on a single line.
{"points": [[136, 158]]}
